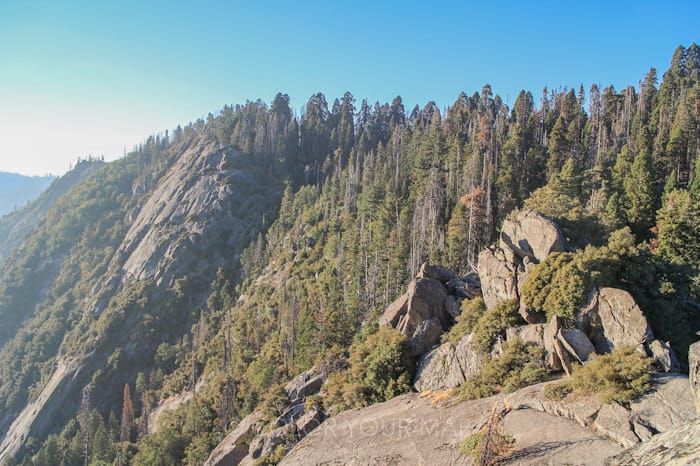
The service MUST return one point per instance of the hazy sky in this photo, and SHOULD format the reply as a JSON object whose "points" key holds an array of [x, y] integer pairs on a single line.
{"points": [[96, 77]]}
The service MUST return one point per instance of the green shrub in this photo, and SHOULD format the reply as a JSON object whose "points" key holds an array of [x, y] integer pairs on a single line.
{"points": [[380, 368], [273, 403], [274, 458], [472, 311], [620, 376], [561, 283], [521, 364], [557, 391], [485, 325], [471, 446], [494, 322]]}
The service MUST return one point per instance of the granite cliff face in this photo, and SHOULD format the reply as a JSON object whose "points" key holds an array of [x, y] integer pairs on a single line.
{"points": [[207, 196], [194, 217]]}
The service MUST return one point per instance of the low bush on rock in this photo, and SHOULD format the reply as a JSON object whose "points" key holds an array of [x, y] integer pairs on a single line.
{"points": [[561, 284], [472, 311], [494, 322], [380, 368], [620, 376], [521, 364], [485, 325], [473, 446]]}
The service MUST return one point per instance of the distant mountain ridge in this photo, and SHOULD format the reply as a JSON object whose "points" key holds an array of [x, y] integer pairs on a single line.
{"points": [[16, 190], [15, 225]]}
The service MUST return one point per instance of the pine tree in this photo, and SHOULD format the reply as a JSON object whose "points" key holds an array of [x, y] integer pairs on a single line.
{"points": [[639, 195], [679, 229], [127, 415]]}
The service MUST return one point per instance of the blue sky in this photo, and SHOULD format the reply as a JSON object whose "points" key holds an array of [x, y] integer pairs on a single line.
{"points": [[94, 78]]}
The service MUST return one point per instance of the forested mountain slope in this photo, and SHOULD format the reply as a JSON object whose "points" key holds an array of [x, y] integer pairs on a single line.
{"points": [[224, 259], [15, 226]]}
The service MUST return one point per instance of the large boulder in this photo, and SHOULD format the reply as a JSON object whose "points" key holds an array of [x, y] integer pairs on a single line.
{"points": [[565, 347], [305, 384], [550, 335], [234, 447], [424, 336], [265, 444], [447, 366], [395, 311], [663, 357], [420, 314], [612, 318], [531, 234], [577, 344], [435, 272], [467, 287], [527, 334], [525, 241], [498, 277], [694, 371]]}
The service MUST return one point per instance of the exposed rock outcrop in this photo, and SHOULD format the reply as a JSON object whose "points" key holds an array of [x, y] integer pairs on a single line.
{"points": [[265, 445], [420, 314], [305, 384], [694, 372], [252, 440], [440, 274], [413, 430], [38, 414], [612, 318], [198, 197], [447, 366], [577, 344], [525, 241], [532, 235], [564, 347], [677, 446], [663, 357], [498, 277], [234, 447], [467, 287], [667, 405]]}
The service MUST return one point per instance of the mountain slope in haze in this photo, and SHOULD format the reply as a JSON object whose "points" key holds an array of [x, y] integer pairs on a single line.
{"points": [[206, 269], [128, 269], [16, 190], [16, 225]]}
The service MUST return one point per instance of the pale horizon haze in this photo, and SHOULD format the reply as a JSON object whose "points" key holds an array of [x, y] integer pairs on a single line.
{"points": [[81, 79]]}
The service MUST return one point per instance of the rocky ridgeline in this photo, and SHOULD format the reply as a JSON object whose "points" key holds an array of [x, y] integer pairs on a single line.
{"points": [[609, 319]]}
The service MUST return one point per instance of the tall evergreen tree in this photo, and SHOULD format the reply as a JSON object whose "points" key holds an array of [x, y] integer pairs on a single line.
{"points": [[639, 195], [127, 415]]}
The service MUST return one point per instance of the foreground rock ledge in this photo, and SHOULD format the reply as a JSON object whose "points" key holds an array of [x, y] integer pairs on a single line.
{"points": [[411, 430]]}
